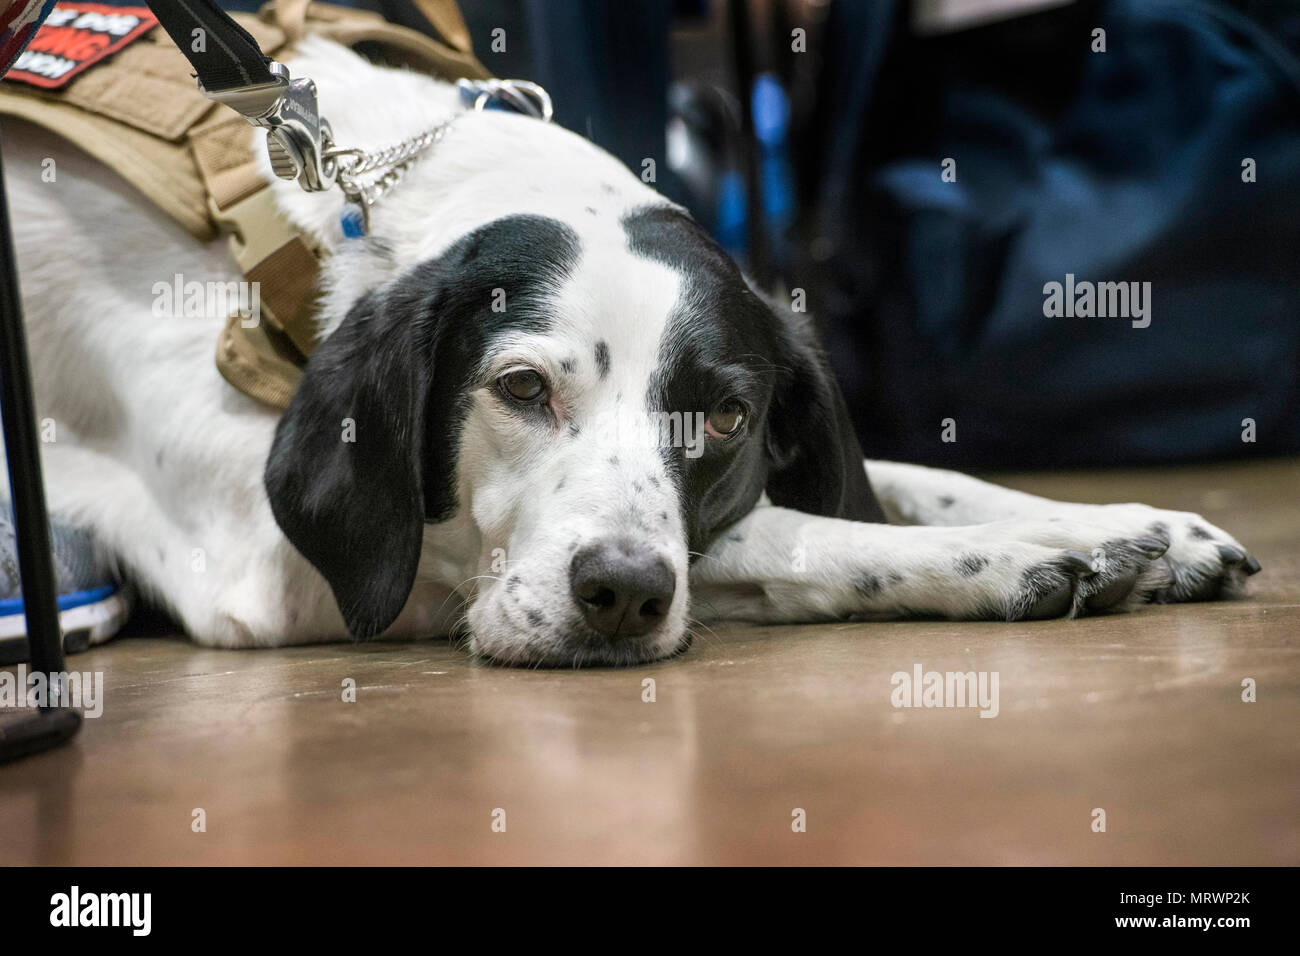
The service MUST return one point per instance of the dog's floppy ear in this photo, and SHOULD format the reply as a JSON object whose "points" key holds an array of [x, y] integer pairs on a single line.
{"points": [[345, 476], [367, 451], [816, 464]]}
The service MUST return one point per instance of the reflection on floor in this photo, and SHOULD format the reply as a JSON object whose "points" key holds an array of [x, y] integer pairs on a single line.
{"points": [[1139, 715]]}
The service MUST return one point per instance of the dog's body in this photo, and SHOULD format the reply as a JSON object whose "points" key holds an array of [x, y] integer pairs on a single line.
{"points": [[561, 519]]}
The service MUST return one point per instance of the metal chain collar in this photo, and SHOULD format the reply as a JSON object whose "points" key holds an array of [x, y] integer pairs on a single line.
{"points": [[300, 141], [365, 176]]}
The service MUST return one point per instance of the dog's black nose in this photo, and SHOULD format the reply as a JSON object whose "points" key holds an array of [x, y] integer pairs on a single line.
{"points": [[622, 590]]}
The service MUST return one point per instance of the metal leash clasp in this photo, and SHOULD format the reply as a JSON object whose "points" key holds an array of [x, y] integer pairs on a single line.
{"points": [[296, 136]]}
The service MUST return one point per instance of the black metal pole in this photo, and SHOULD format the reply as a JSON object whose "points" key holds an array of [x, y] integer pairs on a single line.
{"points": [[55, 721]]}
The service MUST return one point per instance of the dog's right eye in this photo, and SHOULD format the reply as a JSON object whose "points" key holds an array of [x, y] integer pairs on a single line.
{"points": [[524, 386]]}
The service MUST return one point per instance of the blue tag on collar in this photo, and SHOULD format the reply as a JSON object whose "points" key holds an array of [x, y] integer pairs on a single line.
{"points": [[353, 221]]}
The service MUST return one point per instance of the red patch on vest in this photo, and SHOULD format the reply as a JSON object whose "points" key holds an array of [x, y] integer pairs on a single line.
{"points": [[76, 36]]}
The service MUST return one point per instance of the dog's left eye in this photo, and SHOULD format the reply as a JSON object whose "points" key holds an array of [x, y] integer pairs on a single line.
{"points": [[524, 385]]}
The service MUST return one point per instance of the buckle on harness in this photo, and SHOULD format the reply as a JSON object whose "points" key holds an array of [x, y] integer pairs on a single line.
{"points": [[519, 96], [296, 135]]}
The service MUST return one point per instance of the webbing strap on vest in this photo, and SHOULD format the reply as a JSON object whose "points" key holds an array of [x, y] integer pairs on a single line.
{"points": [[141, 113]]}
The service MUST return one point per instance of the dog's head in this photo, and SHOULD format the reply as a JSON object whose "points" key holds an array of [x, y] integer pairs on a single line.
{"points": [[600, 407]]}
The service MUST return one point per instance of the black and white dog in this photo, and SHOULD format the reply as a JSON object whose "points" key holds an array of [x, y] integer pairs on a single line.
{"points": [[478, 445]]}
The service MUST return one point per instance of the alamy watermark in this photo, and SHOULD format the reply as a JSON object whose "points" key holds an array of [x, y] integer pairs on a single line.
{"points": [[621, 427], [133, 911], [60, 689], [1102, 300], [208, 300], [923, 688]]}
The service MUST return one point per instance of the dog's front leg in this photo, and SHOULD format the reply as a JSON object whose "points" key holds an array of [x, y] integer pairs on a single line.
{"points": [[783, 566], [1203, 561]]}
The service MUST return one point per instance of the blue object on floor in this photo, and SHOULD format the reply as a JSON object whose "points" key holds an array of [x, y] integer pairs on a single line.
{"points": [[93, 604]]}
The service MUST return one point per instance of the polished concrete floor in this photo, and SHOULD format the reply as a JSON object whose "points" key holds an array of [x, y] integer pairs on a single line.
{"points": [[1139, 715]]}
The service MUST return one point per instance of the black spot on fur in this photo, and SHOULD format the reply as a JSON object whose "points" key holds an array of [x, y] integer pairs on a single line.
{"points": [[867, 585], [947, 501], [574, 430], [895, 577], [568, 365], [1196, 531], [970, 564], [602, 358], [591, 210], [559, 484], [654, 481], [613, 460], [663, 516], [512, 584], [737, 538], [638, 487], [536, 619]]}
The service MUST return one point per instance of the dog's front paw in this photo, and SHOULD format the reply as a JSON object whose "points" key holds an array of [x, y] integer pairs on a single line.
{"points": [[1205, 563], [1113, 574]]}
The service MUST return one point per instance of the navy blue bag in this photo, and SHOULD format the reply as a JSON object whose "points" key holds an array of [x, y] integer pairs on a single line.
{"points": [[1123, 165]]}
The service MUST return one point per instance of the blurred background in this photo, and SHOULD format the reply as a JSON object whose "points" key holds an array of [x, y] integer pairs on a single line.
{"points": [[812, 138]]}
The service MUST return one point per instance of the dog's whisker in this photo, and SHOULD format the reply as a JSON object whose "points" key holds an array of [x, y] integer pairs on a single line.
{"points": [[708, 632]]}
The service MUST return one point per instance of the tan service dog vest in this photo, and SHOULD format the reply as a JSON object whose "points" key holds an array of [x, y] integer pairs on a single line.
{"points": [[140, 113]]}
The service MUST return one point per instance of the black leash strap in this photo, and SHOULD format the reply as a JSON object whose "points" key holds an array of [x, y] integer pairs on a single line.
{"points": [[223, 54]]}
